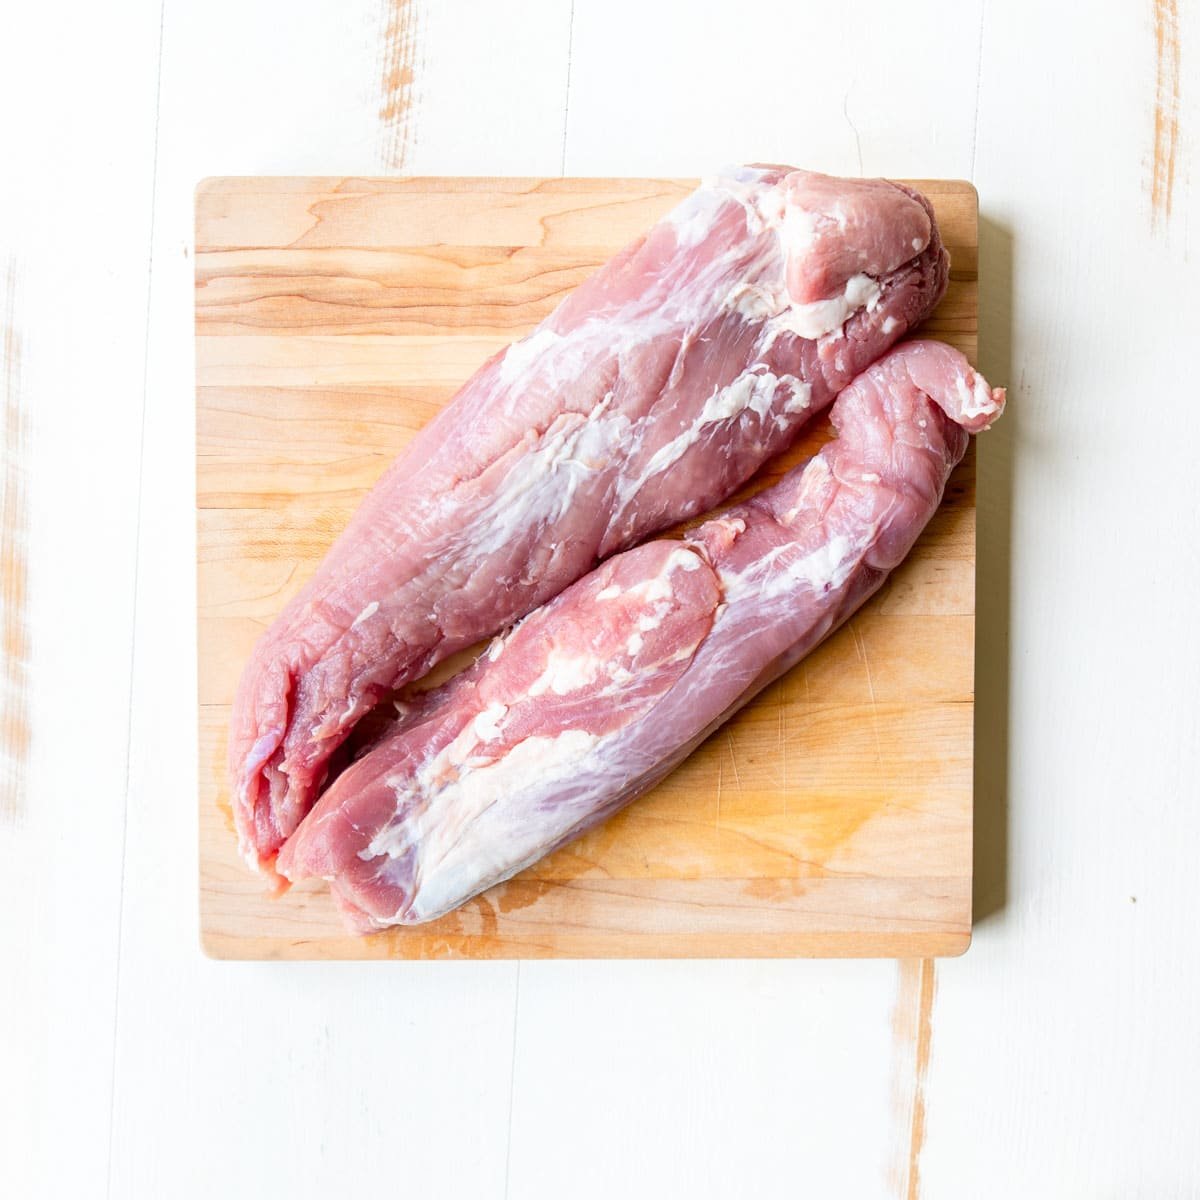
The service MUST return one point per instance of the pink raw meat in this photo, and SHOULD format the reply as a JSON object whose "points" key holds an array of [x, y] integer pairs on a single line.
{"points": [[648, 395], [597, 695]]}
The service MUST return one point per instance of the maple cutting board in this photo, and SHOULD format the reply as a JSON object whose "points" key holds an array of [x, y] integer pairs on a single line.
{"points": [[831, 817]]}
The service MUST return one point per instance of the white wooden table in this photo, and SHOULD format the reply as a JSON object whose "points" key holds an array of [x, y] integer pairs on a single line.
{"points": [[1059, 1058]]}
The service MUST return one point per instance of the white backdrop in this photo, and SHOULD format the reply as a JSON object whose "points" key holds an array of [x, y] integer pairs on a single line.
{"points": [[1058, 1058]]}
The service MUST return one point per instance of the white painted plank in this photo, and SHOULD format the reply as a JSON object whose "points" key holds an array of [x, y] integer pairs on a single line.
{"points": [[491, 86], [76, 142], [1071, 1022], [681, 87], [1068, 1023], [305, 1080], [707, 1079], [260, 90], [302, 1080]]}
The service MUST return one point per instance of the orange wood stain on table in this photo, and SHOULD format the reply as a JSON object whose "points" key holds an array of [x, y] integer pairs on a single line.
{"points": [[397, 82], [14, 532], [832, 816], [1166, 109], [912, 1037]]}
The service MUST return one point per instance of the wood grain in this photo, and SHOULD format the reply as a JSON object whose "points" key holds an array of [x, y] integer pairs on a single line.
{"points": [[831, 817]]}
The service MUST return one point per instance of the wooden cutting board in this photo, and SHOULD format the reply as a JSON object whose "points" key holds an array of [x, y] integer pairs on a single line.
{"points": [[831, 817]]}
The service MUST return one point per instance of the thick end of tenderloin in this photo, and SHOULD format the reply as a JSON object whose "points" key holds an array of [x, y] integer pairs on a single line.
{"points": [[836, 230], [445, 808]]}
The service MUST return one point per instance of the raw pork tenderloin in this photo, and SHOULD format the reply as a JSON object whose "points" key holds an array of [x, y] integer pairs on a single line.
{"points": [[650, 394], [593, 698]]}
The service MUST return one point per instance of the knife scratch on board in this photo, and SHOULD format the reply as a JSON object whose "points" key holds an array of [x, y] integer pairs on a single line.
{"points": [[783, 754], [737, 775], [861, 650], [1166, 110], [397, 108], [14, 521], [720, 784]]}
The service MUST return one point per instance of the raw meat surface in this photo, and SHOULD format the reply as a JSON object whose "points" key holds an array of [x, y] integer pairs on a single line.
{"points": [[594, 697], [648, 395]]}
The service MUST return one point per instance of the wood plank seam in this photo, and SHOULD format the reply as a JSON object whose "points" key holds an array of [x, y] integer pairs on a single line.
{"points": [[133, 643], [567, 91], [978, 86]]}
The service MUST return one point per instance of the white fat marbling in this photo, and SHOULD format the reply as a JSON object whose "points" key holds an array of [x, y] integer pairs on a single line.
{"points": [[693, 218], [975, 398], [459, 853], [652, 620], [753, 391], [801, 398], [486, 725], [565, 673], [367, 613], [821, 317], [658, 587], [540, 488], [823, 569], [520, 356]]}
